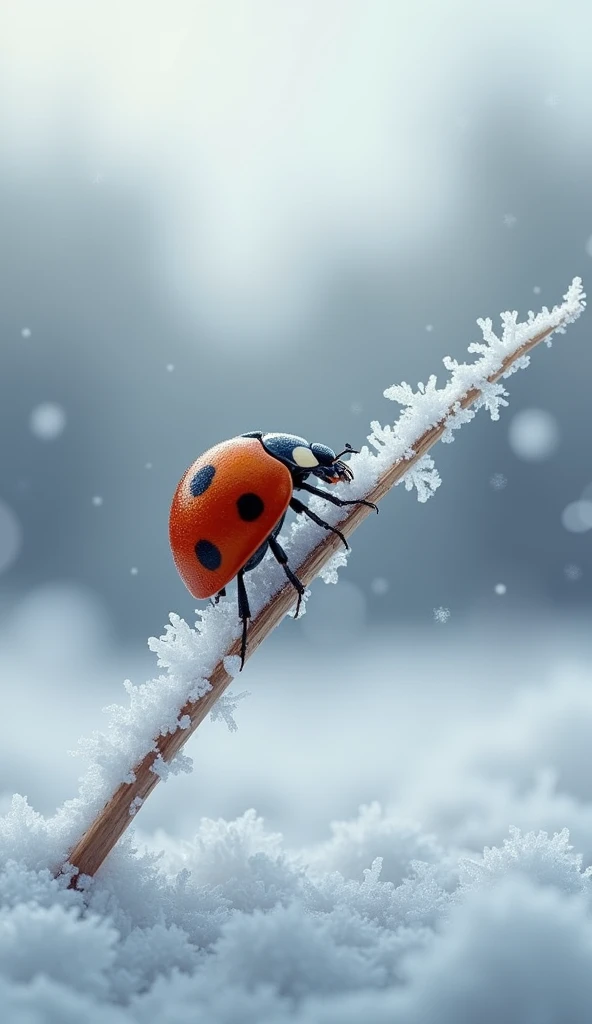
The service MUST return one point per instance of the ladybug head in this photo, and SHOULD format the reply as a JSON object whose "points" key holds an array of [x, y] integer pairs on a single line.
{"points": [[330, 468], [303, 458]]}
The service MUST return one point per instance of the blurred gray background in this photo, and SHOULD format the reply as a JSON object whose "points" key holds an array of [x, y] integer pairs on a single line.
{"points": [[220, 217]]}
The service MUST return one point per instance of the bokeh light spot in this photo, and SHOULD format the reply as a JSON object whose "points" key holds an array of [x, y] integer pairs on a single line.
{"points": [[47, 421], [11, 536], [533, 435], [577, 516]]}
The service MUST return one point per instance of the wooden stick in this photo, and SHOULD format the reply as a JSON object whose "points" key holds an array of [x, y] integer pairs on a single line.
{"points": [[110, 824]]}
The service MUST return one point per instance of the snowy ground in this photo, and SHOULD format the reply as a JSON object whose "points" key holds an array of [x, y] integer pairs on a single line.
{"points": [[273, 895]]}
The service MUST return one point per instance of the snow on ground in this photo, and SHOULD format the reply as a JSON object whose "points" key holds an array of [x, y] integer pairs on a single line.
{"points": [[450, 895]]}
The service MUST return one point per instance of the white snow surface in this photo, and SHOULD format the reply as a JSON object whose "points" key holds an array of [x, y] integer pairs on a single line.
{"points": [[381, 923]]}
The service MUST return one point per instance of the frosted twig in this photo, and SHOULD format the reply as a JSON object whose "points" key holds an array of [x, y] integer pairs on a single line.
{"points": [[146, 738]]}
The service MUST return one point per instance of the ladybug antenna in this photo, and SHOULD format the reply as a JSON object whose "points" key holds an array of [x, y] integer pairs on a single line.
{"points": [[348, 450]]}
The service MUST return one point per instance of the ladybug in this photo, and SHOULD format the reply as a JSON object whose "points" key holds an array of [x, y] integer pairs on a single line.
{"points": [[230, 505]]}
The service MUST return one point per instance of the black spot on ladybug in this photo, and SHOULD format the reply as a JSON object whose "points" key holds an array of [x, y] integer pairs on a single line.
{"points": [[202, 480], [208, 554], [250, 506]]}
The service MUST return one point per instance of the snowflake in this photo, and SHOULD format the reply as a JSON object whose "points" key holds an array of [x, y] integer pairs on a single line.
{"points": [[500, 588], [498, 481], [441, 615], [572, 572]]}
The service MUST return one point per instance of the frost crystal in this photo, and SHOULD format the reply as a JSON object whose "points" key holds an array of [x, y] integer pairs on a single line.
{"points": [[180, 763], [430, 406], [225, 706], [329, 571], [135, 805], [424, 477]]}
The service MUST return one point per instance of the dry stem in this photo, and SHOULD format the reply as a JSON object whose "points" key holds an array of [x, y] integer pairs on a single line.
{"points": [[110, 824]]}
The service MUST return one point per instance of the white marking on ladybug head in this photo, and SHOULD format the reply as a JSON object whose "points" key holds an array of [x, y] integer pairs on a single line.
{"points": [[304, 458]]}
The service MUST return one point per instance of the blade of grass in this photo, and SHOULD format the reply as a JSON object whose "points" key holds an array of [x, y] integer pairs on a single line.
{"points": [[112, 821]]}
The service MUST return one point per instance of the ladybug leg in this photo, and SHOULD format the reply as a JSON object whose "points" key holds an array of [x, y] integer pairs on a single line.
{"points": [[334, 499], [244, 613], [299, 506], [281, 556], [221, 593]]}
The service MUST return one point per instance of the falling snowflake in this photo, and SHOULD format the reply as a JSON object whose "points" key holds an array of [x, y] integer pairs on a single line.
{"points": [[26, 332], [510, 220], [498, 481], [133, 570], [537, 289], [170, 367], [500, 588], [97, 500], [148, 465], [572, 572], [429, 327], [441, 615]]}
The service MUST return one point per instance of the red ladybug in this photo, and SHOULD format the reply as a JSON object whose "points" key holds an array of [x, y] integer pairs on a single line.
{"points": [[230, 506]]}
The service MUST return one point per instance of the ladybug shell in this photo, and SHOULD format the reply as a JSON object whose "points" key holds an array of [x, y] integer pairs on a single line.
{"points": [[224, 508]]}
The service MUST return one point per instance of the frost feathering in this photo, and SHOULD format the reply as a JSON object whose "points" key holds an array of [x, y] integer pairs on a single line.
{"points": [[143, 742]]}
